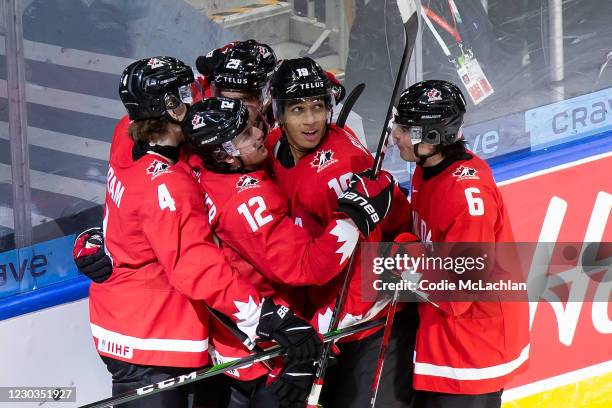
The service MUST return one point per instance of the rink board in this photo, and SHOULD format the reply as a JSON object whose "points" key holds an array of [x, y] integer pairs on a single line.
{"points": [[570, 347]]}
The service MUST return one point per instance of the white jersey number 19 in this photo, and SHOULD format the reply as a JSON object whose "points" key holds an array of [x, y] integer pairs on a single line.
{"points": [[341, 183]]}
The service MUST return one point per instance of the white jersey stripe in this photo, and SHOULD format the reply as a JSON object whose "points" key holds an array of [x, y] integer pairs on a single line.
{"points": [[470, 373], [136, 343]]}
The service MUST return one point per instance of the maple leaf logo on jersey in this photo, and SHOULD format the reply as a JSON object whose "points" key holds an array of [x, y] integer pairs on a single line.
{"points": [[156, 168], [323, 159], [433, 95], [197, 121], [245, 182], [347, 236], [248, 316], [465, 173]]}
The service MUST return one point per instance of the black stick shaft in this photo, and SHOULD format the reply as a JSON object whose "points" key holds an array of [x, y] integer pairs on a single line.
{"points": [[348, 104], [204, 373]]}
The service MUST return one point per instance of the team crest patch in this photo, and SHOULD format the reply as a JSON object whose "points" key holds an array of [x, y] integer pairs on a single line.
{"points": [[157, 168], [245, 182], [433, 95], [154, 63], [197, 121], [465, 173], [323, 159]]}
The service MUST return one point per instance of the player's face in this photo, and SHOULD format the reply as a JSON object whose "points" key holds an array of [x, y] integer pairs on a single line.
{"points": [[305, 121], [405, 138], [251, 146], [252, 101]]}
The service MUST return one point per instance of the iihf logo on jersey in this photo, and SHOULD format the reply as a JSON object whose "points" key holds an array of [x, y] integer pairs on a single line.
{"points": [[245, 182], [465, 173], [197, 121], [433, 95], [157, 168], [323, 159], [155, 63]]}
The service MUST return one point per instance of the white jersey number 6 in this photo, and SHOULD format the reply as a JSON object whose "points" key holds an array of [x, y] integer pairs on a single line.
{"points": [[475, 204]]}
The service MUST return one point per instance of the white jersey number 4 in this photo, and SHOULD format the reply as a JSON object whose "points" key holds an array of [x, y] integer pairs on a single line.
{"points": [[256, 220], [475, 204], [164, 198]]}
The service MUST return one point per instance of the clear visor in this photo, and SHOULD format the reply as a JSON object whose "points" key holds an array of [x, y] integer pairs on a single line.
{"points": [[414, 132], [317, 105], [246, 143], [245, 95], [173, 101]]}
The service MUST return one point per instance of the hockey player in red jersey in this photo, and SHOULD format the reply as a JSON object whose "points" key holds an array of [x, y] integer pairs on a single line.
{"points": [[145, 318], [241, 70], [465, 351], [249, 215], [313, 162]]}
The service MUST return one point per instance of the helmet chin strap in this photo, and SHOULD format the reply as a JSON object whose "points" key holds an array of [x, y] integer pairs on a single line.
{"points": [[423, 157], [169, 152]]}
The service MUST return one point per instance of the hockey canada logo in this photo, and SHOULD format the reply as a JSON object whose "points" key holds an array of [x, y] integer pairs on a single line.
{"points": [[323, 159], [197, 121], [155, 63], [158, 167], [433, 95], [263, 51], [245, 182], [466, 173]]}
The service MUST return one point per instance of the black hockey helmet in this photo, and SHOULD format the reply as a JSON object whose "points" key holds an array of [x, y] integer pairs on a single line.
{"points": [[299, 78], [246, 66], [434, 110], [151, 86], [213, 123]]}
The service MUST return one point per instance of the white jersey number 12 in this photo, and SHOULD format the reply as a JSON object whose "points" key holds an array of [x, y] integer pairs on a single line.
{"points": [[256, 220]]}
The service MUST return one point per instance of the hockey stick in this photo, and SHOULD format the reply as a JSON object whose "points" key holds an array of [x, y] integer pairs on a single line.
{"points": [[237, 333], [348, 104], [408, 11], [404, 237], [198, 375]]}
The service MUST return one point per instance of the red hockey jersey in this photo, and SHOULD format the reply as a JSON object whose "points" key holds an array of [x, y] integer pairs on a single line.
{"points": [[158, 236], [313, 186], [249, 215], [465, 347]]}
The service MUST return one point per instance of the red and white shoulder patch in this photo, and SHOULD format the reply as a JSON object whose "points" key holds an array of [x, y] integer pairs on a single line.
{"points": [[157, 168], [466, 173], [323, 159], [246, 182]]}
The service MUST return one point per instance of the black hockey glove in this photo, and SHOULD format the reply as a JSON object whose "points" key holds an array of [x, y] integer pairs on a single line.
{"points": [[89, 256], [280, 324], [367, 201], [293, 385]]}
